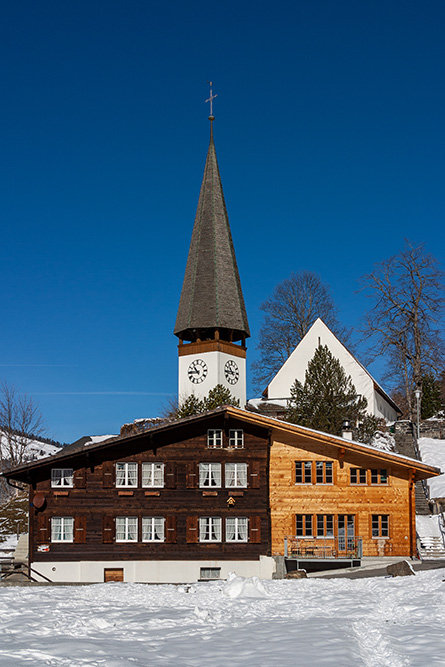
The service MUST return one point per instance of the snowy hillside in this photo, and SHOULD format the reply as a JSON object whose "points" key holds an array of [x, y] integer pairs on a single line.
{"points": [[379, 622], [432, 452], [35, 449]]}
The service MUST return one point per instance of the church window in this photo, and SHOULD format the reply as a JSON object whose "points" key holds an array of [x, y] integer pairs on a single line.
{"points": [[209, 475], [126, 474], [153, 474], [61, 477], [214, 438], [210, 529], [126, 529], [153, 529], [303, 472], [236, 529], [236, 438], [236, 475], [62, 529]]}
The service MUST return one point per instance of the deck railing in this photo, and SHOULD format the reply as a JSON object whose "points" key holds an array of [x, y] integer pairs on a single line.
{"points": [[323, 548]]}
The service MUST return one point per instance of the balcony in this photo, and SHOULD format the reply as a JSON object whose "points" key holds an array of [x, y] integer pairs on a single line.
{"points": [[323, 552]]}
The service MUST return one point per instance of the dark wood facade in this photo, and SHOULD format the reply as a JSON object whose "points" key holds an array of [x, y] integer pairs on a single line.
{"points": [[94, 501]]}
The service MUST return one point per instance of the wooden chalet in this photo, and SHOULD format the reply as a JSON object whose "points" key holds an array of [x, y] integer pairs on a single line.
{"points": [[229, 490]]}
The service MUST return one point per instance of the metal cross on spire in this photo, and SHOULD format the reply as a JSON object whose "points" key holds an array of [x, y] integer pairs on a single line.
{"points": [[211, 98]]}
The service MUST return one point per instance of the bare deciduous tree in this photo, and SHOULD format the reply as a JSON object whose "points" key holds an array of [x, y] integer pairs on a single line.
{"points": [[404, 320], [20, 420], [289, 313]]}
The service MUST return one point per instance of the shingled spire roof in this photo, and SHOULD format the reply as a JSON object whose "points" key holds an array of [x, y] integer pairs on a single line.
{"points": [[211, 298]]}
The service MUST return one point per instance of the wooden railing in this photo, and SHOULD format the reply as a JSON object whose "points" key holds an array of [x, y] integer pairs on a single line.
{"points": [[324, 548]]}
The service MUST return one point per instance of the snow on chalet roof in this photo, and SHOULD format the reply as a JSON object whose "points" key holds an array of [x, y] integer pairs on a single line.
{"points": [[248, 416], [432, 451]]}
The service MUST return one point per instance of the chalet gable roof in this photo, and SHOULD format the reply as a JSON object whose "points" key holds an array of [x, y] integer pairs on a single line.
{"points": [[277, 429]]}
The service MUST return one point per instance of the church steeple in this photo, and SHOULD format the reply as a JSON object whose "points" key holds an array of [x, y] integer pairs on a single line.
{"points": [[211, 298], [211, 316]]}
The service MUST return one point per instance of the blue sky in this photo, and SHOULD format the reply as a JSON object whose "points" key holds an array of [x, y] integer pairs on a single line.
{"points": [[330, 138]]}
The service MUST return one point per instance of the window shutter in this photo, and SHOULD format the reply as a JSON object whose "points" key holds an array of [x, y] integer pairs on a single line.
{"points": [[255, 529], [108, 474], [254, 474], [192, 530], [108, 528], [170, 475], [80, 478], [80, 529], [170, 529], [192, 477], [43, 529]]}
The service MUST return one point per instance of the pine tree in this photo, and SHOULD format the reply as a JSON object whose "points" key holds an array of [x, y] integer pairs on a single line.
{"points": [[431, 398], [190, 406], [327, 398], [218, 396]]}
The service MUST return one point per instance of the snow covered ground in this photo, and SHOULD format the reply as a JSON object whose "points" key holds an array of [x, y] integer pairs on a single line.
{"points": [[378, 622], [432, 451]]}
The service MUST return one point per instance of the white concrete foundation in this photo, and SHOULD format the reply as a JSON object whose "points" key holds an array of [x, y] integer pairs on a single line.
{"points": [[152, 572]]}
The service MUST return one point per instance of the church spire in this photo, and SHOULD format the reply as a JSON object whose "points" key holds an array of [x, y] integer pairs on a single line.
{"points": [[211, 304]]}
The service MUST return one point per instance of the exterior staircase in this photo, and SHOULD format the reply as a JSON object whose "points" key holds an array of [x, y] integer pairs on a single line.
{"points": [[431, 547]]}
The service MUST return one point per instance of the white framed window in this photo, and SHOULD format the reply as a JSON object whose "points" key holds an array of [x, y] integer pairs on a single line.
{"points": [[153, 474], [210, 529], [62, 529], [214, 438], [236, 475], [61, 477], [153, 529], [126, 474], [126, 529], [210, 475], [236, 438], [236, 529], [210, 573]]}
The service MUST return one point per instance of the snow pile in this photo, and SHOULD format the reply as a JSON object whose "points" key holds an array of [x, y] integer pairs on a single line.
{"points": [[432, 452], [240, 587], [428, 526], [383, 441], [381, 622]]}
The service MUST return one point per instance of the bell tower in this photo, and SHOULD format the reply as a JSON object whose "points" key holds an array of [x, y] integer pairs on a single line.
{"points": [[211, 323]]}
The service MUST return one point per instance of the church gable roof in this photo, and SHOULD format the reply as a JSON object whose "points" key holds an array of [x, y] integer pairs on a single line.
{"points": [[211, 296]]}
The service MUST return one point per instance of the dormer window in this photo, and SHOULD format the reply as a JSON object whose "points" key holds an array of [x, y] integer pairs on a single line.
{"points": [[126, 474], [61, 477]]}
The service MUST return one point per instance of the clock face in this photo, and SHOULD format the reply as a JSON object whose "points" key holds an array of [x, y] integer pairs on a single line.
{"points": [[197, 371], [231, 371]]}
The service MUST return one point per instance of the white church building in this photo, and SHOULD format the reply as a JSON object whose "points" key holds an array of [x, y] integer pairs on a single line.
{"points": [[278, 391]]}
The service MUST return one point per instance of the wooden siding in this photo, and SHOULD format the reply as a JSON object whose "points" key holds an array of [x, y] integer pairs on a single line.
{"points": [[94, 501], [395, 499]]}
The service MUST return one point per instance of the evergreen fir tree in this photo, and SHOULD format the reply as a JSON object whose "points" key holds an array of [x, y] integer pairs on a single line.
{"points": [[218, 396], [431, 396], [191, 406], [327, 398]]}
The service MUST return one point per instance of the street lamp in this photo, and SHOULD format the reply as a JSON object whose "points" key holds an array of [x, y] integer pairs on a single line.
{"points": [[418, 394]]}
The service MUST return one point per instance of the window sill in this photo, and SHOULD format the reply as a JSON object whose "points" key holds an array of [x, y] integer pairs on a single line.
{"points": [[152, 493], [125, 493], [235, 493], [210, 493], [61, 493]]}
